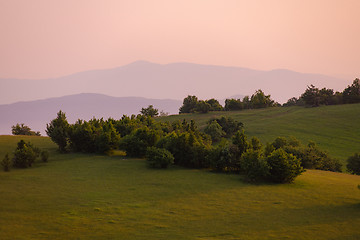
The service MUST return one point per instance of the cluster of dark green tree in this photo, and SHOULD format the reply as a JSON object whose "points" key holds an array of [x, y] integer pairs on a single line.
{"points": [[353, 164], [315, 97], [222, 146], [191, 104], [25, 155], [22, 129]]}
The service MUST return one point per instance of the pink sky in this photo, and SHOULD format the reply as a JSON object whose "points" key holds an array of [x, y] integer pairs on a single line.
{"points": [[52, 38]]}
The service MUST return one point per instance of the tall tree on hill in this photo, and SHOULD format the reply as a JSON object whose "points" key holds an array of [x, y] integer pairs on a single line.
{"points": [[22, 129], [260, 100], [311, 96], [189, 104], [58, 130], [214, 105], [149, 111], [351, 94]]}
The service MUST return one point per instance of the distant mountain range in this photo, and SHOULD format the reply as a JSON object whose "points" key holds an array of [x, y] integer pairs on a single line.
{"points": [[169, 81], [36, 114]]}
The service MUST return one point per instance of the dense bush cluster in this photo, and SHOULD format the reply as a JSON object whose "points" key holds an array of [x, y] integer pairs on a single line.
{"points": [[353, 164], [191, 104], [22, 129], [221, 146], [315, 97], [25, 155], [257, 100]]}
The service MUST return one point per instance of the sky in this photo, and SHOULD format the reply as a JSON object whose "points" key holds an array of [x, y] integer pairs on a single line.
{"points": [[52, 38]]}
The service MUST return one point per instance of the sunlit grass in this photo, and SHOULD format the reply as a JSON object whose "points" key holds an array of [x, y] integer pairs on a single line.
{"points": [[83, 196]]}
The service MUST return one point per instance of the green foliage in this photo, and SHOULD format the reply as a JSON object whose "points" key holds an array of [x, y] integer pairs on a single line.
{"points": [[93, 136], [44, 156], [351, 94], [260, 100], [283, 167], [240, 141], [311, 156], [214, 130], [214, 105], [353, 164], [255, 144], [6, 163], [189, 104], [58, 131], [159, 157], [136, 143], [228, 125], [224, 157], [233, 105], [254, 165], [314, 158], [188, 145], [21, 129], [149, 111], [202, 107], [25, 155]]}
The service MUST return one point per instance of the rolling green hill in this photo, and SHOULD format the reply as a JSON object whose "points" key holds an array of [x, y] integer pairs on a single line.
{"points": [[83, 196], [334, 128]]}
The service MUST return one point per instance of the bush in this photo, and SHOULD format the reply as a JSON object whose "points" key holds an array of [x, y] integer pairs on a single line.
{"points": [[6, 163], [58, 131], [353, 164], [284, 167], [254, 165], [24, 155], [214, 130], [44, 156], [159, 157], [225, 157]]}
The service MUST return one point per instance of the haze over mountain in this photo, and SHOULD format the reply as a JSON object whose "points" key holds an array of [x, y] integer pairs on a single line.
{"points": [[36, 114], [169, 81]]}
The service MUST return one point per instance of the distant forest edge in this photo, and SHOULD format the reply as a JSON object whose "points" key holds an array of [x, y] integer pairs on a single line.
{"points": [[312, 97]]}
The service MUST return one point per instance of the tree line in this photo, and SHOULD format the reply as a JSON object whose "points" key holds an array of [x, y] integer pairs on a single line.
{"points": [[191, 104], [314, 97]]}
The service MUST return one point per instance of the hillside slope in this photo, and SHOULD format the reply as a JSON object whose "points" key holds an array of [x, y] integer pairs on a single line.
{"points": [[334, 128]]}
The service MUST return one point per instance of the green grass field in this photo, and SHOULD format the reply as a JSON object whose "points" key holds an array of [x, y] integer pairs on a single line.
{"points": [[334, 128], [82, 196]]}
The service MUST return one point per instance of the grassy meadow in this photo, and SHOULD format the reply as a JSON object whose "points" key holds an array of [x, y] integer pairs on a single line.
{"points": [[83, 196], [334, 128]]}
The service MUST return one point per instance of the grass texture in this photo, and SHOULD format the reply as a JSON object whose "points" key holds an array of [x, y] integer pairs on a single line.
{"points": [[83, 196]]}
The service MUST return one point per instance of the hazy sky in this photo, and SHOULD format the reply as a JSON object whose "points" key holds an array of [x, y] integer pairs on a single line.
{"points": [[52, 38]]}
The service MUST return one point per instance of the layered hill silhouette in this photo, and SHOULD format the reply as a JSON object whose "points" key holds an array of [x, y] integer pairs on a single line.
{"points": [[36, 114], [169, 81]]}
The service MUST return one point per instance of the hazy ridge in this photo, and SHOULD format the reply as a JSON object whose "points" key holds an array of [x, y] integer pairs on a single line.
{"points": [[169, 81]]}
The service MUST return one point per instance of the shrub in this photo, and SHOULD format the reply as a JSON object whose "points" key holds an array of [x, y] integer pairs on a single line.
{"points": [[58, 131], [254, 165], [159, 157], [24, 155], [214, 130], [314, 158], [44, 156], [225, 157], [6, 163], [353, 164], [284, 167]]}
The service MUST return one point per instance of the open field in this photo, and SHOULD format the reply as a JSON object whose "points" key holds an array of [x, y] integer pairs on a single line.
{"points": [[82, 196], [334, 128]]}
